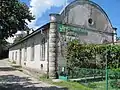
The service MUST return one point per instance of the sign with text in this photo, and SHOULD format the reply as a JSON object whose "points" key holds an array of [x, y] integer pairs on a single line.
{"points": [[72, 29]]}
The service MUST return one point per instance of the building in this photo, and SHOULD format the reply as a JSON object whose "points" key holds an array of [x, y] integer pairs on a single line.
{"points": [[43, 50]]}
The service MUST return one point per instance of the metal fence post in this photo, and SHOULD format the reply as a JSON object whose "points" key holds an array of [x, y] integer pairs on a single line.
{"points": [[106, 73]]}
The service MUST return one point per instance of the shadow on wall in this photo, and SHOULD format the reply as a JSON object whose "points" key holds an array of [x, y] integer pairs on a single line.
{"points": [[4, 54], [11, 82]]}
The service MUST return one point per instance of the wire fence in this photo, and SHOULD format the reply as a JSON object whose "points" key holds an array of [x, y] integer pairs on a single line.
{"points": [[93, 78]]}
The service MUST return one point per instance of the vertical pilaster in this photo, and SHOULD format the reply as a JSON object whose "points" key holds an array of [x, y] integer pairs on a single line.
{"points": [[115, 34], [53, 45]]}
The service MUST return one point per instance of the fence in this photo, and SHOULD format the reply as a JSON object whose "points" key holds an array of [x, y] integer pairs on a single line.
{"points": [[94, 78]]}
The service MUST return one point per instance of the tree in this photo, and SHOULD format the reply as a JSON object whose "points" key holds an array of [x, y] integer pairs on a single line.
{"points": [[4, 48], [118, 38], [13, 15]]}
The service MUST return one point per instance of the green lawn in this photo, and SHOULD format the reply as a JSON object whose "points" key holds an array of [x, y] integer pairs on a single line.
{"points": [[72, 85], [102, 86], [68, 84]]}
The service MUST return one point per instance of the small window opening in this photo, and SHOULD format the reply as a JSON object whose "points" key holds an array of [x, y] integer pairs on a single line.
{"points": [[41, 66], [90, 21]]}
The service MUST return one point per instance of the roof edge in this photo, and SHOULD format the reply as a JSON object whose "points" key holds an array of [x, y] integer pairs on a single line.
{"points": [[30, 35]]}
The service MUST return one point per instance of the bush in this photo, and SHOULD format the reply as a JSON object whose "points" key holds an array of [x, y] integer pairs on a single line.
{"points": [[118, 84], [86, 55]]}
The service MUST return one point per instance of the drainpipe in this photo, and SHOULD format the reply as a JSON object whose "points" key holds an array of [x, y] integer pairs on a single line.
{"points": [[54, 18]]}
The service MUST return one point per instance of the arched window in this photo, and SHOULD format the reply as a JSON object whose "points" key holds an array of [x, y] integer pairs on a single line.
{"points": [[16, 55], [43, 49]]}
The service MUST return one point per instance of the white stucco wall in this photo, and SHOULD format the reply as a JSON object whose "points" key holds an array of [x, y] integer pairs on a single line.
{"points": [[28, 62], [10, 55]]}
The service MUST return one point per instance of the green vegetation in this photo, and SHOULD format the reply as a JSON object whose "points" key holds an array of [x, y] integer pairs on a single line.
{"points": [[72, 85], [13, 14], [92, 56], [88, 62], [13, 62], [3, 48], [92, 85], [102, 86], [67, 84]]}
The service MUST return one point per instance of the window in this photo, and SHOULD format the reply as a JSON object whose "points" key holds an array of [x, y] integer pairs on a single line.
{"points": [[25, 54], [42, 52], [32, 52], [41, 66], [90, 21], [20, 55], [16, 55], [12, 55]]}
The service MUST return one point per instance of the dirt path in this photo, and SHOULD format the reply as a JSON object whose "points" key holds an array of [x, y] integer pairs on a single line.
{"points": [[11, 79]]}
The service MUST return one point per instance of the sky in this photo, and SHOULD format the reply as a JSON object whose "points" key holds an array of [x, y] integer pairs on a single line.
{"points": [[42, 8]]}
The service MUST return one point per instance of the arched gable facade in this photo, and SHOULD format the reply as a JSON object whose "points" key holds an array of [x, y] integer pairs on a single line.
{"points": [[89, 15]]}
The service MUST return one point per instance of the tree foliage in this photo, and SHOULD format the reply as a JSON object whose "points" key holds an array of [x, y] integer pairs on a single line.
{"points": [[4, 48], [13, 14], [118, 38], [92, 56]]}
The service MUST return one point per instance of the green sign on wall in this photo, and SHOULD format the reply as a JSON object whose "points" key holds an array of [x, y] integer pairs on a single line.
{"points": [[69, 28]]}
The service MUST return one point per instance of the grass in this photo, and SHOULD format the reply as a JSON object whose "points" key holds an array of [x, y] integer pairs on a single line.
{"points": [[102, 86], [67, 84], [13, 62], [72, 85]]}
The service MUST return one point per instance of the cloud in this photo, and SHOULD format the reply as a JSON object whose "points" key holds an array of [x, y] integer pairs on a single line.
{"points": [[39, 7]]}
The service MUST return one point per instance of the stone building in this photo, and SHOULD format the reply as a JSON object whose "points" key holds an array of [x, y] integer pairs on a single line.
{"points": [[43, 50]]}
